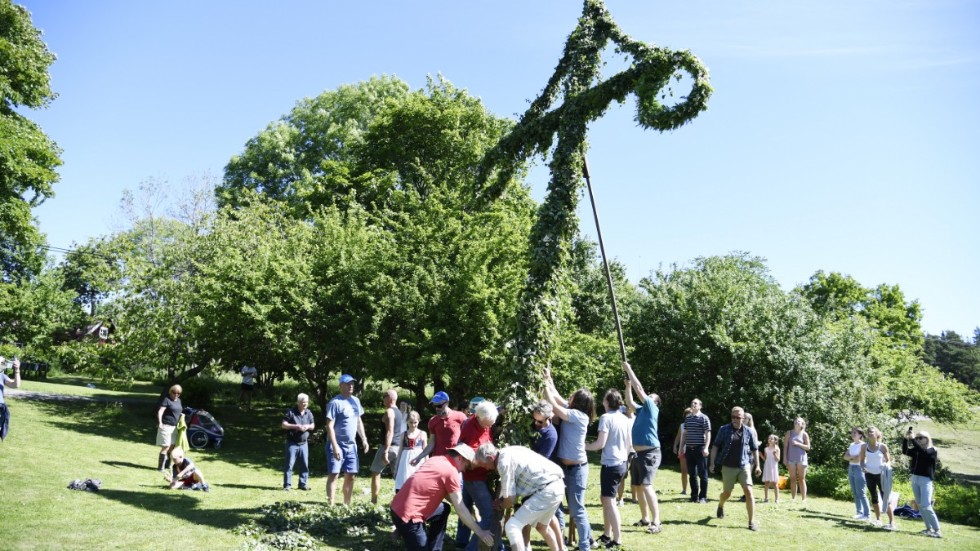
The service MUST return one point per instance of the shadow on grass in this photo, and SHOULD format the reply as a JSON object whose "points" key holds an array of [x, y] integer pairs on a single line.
{"points": [[180, 505], [128, 465]]}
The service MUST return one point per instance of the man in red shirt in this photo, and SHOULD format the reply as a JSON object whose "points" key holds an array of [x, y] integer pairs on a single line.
{"points": [[419, 502], [444, 428]]}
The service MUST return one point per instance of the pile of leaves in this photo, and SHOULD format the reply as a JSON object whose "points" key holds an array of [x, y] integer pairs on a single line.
{"points": [[294, 525]]}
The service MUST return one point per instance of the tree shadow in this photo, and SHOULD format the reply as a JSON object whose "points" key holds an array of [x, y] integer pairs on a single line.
{"points": [[180, 505]]}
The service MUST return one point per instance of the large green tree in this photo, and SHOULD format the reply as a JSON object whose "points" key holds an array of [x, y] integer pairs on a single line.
{"points": [[28, 158], [405, 163]]}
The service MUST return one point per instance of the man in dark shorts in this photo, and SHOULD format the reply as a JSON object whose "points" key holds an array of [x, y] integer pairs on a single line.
{"points": [[249, 374], [646, 443]]}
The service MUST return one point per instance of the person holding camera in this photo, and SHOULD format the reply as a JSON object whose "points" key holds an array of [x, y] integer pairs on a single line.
{"points": [[923, 469], [6, 381]]}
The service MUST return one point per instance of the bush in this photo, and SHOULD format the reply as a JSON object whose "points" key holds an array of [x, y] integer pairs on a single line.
{"points": [[828, 481], [958, 503]]}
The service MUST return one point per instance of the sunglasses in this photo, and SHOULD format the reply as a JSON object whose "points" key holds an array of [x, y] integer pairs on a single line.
{"points": [[920, 437]]}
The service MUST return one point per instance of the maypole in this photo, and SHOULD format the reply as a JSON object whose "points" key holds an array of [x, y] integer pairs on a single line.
{"points": [[584, 99]]}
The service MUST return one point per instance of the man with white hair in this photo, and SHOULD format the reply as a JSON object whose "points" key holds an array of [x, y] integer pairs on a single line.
{"points": [[475, 432], [524, 473], [298, 424]]}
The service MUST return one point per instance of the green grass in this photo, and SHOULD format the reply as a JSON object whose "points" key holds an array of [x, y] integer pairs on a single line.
{"points": [[959, 447], [53, 442]]}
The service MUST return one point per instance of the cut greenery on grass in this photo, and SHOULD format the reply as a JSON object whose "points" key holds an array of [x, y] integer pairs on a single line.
{"points": [[53, 442]]}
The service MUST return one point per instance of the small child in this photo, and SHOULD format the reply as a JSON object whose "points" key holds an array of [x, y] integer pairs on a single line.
{"points": [[184, 474], [770, 472], [412, 444]]}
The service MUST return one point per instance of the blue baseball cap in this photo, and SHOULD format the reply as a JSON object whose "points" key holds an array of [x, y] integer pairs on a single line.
{"points": [[345, 378], [440, 398], [473, 403]]}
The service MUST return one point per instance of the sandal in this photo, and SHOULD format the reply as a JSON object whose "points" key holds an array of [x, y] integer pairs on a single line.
{"points": [[642, 522], [654, 529]]}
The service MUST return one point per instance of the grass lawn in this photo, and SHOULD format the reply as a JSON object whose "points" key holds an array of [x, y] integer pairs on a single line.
{"points": [[55, 441]]}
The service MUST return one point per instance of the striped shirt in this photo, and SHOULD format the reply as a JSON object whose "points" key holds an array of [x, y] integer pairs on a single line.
{"points": [[695, 429], [524, 472]]}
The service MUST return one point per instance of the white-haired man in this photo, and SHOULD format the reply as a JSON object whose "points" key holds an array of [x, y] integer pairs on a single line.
{"points": [[525, 473], [475, 432]]}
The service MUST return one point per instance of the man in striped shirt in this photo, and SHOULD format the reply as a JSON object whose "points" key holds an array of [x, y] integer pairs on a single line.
{"points": [[524, 473], [697, 442]]}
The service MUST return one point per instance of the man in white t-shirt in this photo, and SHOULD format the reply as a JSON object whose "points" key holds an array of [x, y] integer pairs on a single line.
{"points": [[249, 374]]}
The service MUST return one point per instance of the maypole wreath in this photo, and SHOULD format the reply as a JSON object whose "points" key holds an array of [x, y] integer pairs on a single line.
{"points": [[586, 98]]}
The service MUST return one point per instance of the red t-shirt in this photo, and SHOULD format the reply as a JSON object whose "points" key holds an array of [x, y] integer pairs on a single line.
{"points": [[446, 431], [424, 491], [473, 434]]}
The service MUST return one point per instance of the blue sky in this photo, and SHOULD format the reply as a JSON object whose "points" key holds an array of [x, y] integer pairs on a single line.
{"points": [[841, 136]]}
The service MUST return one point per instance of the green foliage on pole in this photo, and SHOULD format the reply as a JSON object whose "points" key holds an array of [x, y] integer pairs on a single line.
{"points": [[584, 98]]}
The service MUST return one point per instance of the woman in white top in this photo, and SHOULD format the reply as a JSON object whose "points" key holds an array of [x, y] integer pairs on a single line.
{"points": [[855, 475], [874, 458], [614, 440]]}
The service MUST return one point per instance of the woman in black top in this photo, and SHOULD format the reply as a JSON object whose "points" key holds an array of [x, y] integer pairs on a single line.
{"points": [[167, 416], [923, 468]]}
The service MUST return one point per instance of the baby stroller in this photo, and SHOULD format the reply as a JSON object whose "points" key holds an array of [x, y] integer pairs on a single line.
{"points": [[202, 428]]}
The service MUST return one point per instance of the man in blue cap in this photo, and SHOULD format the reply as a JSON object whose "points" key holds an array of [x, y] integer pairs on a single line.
{"points": [[443, 427], [344, 421]]}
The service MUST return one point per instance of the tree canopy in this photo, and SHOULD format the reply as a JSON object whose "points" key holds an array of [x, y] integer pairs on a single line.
{"points": [[28, 158]]}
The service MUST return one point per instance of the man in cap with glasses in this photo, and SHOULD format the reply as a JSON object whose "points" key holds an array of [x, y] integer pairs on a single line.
{"points": [[443, 427], [418, 510], [344, 422]]}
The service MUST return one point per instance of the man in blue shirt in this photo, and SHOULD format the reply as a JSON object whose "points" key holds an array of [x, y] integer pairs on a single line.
{"points": [[735, 451], [646, 443], [344, 421]]}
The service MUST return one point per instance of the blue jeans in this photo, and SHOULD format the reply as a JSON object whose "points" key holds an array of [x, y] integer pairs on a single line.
{"points": [[475, 493], [417, 537], [922, 490], [576, 479], [297, 455], [697, 470], [855, 476]]}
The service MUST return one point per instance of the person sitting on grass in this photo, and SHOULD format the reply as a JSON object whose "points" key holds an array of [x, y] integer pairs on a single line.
{"points": [[184, 474]]}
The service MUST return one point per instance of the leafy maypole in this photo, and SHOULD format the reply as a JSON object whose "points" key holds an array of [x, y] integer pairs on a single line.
{"points": [[585, 98]]}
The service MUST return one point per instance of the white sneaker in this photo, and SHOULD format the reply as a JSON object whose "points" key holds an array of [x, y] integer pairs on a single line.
{"points": [[620, 503], [859, 516], [890, 527]]}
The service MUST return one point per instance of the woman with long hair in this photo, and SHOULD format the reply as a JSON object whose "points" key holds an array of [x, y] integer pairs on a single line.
{"points": [[923, 469], [795, 446], [855, 475], [576, 414]]}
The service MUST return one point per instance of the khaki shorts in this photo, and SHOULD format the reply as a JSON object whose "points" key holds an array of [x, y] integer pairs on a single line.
{"points": [[731, 475], [165, 435], [378, 466]]}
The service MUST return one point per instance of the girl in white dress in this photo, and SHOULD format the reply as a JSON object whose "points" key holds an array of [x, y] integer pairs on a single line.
{"points": [[412, 444], [770, 471]]}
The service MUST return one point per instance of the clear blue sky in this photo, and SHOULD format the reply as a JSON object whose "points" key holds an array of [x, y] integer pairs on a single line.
{"points": [[842, 135]]}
